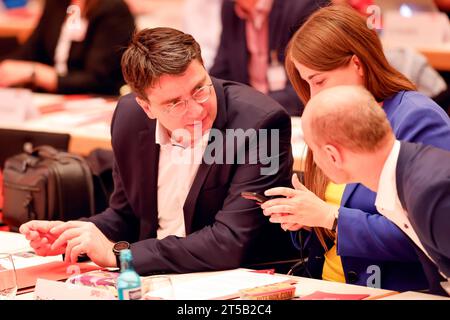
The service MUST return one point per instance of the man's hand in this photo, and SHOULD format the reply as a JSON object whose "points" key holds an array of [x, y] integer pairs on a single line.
{"points": [[79, 237], [38, 232], [299, 207]]}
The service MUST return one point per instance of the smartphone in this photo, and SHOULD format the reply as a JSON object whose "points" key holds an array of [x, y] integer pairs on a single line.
{"points": [[259, 198]]}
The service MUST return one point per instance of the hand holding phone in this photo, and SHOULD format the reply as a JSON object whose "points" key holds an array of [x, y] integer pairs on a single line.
{"points": [[259, 198]]}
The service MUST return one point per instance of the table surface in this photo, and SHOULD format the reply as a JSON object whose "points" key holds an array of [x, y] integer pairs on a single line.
{"points": [[14, 242]]}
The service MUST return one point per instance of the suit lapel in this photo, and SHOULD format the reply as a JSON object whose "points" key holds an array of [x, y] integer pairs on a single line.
{"points": [[148, 193], [203, 169], [191, 199]]}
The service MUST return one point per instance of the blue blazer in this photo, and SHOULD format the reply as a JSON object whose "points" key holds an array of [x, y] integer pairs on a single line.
{"points": [[423, 187], [365, 237], [232, 57], [223, 230]]}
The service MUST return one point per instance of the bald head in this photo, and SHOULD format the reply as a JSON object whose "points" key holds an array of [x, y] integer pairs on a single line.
{"points": [[346, 116]]}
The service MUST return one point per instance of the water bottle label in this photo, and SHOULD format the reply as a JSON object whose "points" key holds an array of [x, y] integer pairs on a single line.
{"points": [[132, 294]]}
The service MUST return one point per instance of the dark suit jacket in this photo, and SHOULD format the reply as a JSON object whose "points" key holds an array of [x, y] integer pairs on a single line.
{"points": [[93, 64], [423, 186], [232, 57], [223, 230]]}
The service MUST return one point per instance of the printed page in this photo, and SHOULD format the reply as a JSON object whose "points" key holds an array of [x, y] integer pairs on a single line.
{"points": [[223, 285]]}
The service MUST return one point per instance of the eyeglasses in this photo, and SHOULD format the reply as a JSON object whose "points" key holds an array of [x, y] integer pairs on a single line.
{"points": [[179, 109]]}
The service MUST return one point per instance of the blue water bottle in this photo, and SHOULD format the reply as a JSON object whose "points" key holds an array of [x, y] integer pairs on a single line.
{"points": [[128, 282]]}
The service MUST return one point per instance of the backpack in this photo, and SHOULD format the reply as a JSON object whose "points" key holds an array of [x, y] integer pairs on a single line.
{"points": [[46, 184]]}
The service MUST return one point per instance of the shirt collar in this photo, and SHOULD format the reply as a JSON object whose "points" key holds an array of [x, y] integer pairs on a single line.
{"points": [[161, 135], [387, 186], [163, 138]]}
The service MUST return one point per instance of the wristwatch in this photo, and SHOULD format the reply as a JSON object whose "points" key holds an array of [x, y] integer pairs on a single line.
{"points": [[119, 246]]}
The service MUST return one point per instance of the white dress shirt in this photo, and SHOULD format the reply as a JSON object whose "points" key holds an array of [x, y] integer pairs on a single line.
{"points": [[389, 205], [177, 169], [387, 201]]}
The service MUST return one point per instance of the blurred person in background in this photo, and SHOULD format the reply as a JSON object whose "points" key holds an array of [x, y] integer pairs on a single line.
{"points": [[75, 48], [253, 41]]}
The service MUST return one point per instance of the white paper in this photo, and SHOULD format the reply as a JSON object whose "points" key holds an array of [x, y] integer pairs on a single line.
{"points": [[27, 258], [19, 247], [220, 285], [11, 242], [56, 290], [16, 105]]}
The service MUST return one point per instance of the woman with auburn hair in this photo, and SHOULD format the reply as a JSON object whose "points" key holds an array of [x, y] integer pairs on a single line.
{"points": [[351, 241]]}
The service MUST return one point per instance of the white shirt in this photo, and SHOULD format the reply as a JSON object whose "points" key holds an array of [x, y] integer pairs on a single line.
{"points": [[177, 169], [387, 201]]}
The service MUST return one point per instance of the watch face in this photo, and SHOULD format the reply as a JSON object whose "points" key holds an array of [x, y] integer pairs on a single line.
{"points": [[121, 245]]}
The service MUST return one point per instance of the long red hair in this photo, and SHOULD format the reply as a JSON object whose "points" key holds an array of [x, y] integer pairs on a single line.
{"points": [[328, 40]]}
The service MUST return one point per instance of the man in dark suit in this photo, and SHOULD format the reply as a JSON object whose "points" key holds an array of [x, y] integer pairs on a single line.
{"points": [[177, 214], [412, 181], [423, 186], [255, 34]]}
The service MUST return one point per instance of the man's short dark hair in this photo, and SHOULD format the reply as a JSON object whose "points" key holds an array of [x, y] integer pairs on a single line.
{"points": [[156, 52]]}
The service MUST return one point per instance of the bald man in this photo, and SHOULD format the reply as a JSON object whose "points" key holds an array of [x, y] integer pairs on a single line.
{"points": [[352, 142]]}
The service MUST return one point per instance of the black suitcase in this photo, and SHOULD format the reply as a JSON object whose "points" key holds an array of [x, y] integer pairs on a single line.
{"points": [[46, 185]]}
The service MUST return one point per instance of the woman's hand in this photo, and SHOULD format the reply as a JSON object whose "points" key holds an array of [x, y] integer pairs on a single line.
{"points": [[15, 72], [299, 207]]}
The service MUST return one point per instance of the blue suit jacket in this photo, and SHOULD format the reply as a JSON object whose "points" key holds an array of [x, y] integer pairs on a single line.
{"points": [[365, 237], [423, 187], [232, 57], [223, 230]]}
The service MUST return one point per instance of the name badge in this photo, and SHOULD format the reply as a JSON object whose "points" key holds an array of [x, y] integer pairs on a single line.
{"points": [[75, 25], [276, 76]]}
